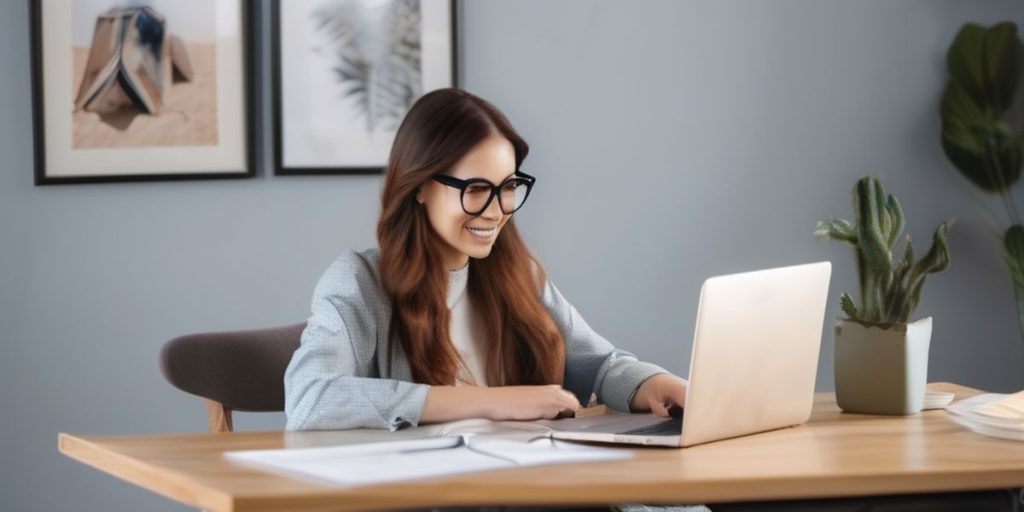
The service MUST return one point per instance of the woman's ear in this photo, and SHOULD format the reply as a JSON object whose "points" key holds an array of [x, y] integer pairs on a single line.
{"points": [[419, 194]]}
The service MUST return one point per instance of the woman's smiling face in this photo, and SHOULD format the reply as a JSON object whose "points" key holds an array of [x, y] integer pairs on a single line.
{"points": [[469, 236]]}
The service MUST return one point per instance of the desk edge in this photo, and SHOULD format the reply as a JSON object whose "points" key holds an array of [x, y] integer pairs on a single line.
{"points": [[164, 482]]}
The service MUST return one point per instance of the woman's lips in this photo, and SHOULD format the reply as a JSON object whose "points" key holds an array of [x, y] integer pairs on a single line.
{"points": [[482, 233]]}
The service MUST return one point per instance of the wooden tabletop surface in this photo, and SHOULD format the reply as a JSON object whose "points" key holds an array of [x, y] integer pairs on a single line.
{"points": [[834, 454]]}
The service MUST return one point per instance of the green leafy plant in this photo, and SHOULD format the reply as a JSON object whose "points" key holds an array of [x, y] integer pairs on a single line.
{"points": [[890, 291], [983, 127]]}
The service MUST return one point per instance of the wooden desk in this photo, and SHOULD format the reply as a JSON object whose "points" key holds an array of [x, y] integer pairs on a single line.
{"points": [[834, 454]]}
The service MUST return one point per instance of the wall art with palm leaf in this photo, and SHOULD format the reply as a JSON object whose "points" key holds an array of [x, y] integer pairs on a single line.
{"points": [[347, 71]]}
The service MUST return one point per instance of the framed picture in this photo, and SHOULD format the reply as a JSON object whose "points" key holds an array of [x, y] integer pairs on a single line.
{"points": [[158, 90], [346, 72]]}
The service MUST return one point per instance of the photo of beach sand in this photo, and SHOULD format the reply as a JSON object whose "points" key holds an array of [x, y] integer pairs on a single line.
{"points": [[187, 106]]}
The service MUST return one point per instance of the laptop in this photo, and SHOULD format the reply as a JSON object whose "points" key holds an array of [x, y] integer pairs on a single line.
{"points": [[752, 369]]}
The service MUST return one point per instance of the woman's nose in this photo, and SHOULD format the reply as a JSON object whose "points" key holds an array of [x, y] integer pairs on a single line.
{"points": [[493, 211]]}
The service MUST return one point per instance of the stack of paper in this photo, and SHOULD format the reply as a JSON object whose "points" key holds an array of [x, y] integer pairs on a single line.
{"points": [[992, 414], [391, 461]]}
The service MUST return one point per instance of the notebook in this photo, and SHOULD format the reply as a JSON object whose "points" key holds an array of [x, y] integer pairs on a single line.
{"points": [[412, 459]]}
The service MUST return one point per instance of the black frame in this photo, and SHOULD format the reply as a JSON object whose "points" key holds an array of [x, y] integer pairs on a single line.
{"points": [[275, 53], [39, 130], [461, 184]]}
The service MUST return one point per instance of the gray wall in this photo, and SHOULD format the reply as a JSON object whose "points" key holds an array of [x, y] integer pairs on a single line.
{"points": [[673, 141]]}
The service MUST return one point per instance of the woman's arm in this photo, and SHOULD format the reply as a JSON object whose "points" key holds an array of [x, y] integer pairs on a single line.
{"points": [[593, 364], [331, 381], [328, 388], [450, 403], [323, 391]]}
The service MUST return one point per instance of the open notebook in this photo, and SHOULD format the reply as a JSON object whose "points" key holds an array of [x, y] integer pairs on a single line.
{"points": [[448, 448]]}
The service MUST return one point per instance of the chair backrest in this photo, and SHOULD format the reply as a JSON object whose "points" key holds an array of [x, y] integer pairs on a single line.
{"points": [[232, 370]]}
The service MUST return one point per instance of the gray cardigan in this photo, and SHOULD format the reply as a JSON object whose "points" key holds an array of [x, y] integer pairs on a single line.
{"points": [[351, 370]]}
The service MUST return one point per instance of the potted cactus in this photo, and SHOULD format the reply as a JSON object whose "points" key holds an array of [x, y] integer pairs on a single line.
{"points": [[881, 360]]}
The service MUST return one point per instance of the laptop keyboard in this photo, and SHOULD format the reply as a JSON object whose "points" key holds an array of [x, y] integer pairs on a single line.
{"points": [[669, 427]]}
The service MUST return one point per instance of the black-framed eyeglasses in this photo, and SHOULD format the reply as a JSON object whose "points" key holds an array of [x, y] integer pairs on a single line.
{"points": [[477, 193]]}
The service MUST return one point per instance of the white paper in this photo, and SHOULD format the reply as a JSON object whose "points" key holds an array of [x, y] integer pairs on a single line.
{"points": [[547, 451], [371, 463], [966, 413], [1009, 407]]}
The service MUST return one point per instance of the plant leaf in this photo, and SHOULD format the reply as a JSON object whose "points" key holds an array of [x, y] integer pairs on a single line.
{"points": [[1001, 64], [848, 307], [377, 56], [1013, 252], [935, 260], [964, 62], [984, 149], [892, 206], [898, 293], [836, 229]]}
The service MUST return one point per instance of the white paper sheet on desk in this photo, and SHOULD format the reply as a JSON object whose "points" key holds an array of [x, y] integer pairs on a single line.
{"points": [[966, 413], [393, 461], [1008, 407]]}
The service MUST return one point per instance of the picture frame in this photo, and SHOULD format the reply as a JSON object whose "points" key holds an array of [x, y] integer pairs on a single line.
{"points": [[162, 90], [325, 76]]}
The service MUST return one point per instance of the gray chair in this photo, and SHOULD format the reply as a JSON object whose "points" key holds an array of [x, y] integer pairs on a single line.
{"points": [[232, 370]]}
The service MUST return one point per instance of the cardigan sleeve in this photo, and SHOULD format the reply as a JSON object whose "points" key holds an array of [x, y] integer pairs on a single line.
{"points": [[592, 363], [331, 381]]}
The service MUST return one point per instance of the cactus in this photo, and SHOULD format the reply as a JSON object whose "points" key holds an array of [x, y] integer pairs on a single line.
{"points": [[889, 291]]}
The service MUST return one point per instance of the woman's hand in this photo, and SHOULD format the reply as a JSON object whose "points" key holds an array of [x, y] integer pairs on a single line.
{"points": [[658, 393], [529, 402]]}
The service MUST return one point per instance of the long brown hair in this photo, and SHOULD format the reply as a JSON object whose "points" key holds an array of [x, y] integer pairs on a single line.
{"points": [[524, 344]]}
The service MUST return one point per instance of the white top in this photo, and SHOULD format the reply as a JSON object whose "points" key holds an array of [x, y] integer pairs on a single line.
{"points": [[465, 330]]}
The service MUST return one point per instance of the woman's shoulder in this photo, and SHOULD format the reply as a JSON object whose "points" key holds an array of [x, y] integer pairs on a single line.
{"points": [[353, 261], [353, 274]]}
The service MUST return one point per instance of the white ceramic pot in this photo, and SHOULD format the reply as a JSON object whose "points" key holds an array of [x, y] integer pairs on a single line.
{"points": [[881, 370]]}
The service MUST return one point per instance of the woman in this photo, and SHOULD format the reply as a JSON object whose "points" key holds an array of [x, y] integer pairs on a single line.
{"points": [[452, 317]]}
